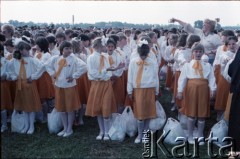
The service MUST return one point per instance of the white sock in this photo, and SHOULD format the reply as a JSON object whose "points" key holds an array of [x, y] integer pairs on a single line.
{"points": [[100, 124], [146, 124], [201, 125], [106, 125], [64, 120], [31, 122], [140, 128], [26, 122], [190, 126], [70, 120]]}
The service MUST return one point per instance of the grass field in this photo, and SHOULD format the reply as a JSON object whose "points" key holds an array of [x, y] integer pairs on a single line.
{"points": [[82, 143]]}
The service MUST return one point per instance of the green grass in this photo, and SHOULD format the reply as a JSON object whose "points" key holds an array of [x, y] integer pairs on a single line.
{"points": [[82, 143]]}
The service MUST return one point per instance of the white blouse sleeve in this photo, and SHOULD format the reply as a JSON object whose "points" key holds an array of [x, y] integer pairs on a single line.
{"points": [[182, 78], [130, 78], [50, 65], [211, 80], [39, 68], [80, 68]]}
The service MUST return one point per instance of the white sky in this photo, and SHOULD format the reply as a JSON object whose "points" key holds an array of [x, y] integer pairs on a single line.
{"points": [[151, 12]]}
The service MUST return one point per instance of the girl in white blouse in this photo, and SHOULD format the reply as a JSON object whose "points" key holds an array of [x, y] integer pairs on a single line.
{"points": [[198, 77], [65, 69], [143, 87], [25, 70], [101, 101]]}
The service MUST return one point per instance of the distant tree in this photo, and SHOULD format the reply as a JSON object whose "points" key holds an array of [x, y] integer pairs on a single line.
{"points": [[198, 24]]}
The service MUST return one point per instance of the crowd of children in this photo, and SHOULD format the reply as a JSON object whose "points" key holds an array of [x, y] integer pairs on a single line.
{"points": [[104, 70]]}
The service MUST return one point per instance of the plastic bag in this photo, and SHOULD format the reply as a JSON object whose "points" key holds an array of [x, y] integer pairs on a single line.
{"points": [[54, 121], [129, 121], [175, 131], [219, 130], [158, 123], [17, 122], [117, 130], [183, 120]]}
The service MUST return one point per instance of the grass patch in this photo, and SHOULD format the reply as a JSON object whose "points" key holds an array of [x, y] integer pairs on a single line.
{"points": [[82, 143]]}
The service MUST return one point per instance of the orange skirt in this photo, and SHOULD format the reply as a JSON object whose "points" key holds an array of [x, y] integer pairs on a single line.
{"points": [[45, 86], [83, 86], [217, 72], [196, 98], [101, 100], [169, 77], [223, 88], [6, 100], [67, 99], [177, 101], [12, 86], [144, 103], [228, 107], [162, 63], [119, 91], [27, 99]]}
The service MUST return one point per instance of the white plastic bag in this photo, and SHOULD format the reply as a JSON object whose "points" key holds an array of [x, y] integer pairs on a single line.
{"points": [[183, 120], [129, 121], [117, 130], [219, 130], [175, 131], [158, 123], [17, 122], [54, 122]]}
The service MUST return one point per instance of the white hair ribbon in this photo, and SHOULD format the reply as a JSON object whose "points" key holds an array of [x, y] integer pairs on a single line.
{"points": [[140, 43]]}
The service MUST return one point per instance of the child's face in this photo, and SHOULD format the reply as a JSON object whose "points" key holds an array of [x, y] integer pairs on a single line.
{"points": [[9, 49], [223, 39], [60, 40], [198, 54], [24, 52], [37, 48], [110, 48], [232, 46], [143, 57], [67, 51], [154, 38], [86, 43]]}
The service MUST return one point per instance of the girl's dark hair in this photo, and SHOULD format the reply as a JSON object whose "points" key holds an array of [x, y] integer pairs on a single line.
{"points": [[9, 43], [26, 33], [151, 34], [114, 37], [157, 32], [137, 32], [2, 37], [227, 33], [60, 35], [143, 50], [92, 35], [84, 37], [111, 41], [21, 46], [1, 50], [63, 45], [42, 44], [51, 39], [182, 40], [231, 38]]}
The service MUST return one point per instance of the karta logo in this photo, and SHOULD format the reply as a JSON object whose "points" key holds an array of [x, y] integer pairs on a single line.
{"points": [[152, 144]]}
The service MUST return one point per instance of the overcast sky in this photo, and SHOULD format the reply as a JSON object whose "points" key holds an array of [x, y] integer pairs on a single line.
{"points": [[151, 12]]}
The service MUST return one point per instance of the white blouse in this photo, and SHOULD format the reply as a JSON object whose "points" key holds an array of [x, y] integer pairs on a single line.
{"points": [[75, 68], [149, 77], [93, 64], [188, 72], [4, 65], [34, 68], [117, 58], [224, 58]]}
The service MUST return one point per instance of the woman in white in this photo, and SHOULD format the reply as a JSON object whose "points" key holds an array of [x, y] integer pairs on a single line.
{"points": [[65, 69], [209, 40]]}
